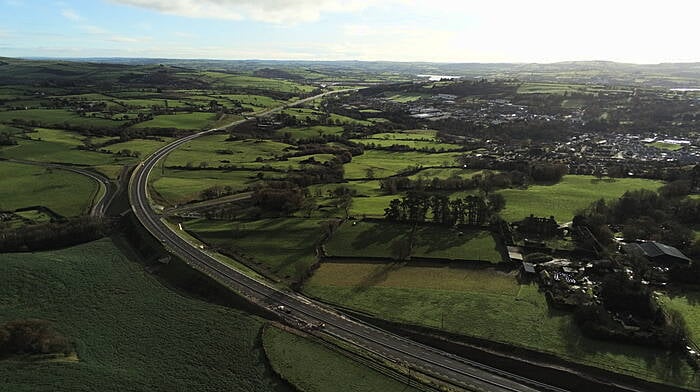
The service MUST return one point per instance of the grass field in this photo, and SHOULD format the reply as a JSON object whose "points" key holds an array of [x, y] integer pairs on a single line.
{"points": [[56, 117], [429, 174], [65, 193], [687, 304], [485, 304], [417, 144], [149, 103], [667, 146], [415, 134], [564, 199], [185, 121], [214, 149], [130, 332], [309, 132], [371, 239], [385, 164], [550, 88], [405, 98], [251, 82], [252, 101], [144, 147], [57, 146], [182, 186], [293, 356], [283, 247]]}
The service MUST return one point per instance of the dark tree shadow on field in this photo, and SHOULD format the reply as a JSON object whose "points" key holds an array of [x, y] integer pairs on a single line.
{"points": [[383, 233], [436, 239], [379, 275]]}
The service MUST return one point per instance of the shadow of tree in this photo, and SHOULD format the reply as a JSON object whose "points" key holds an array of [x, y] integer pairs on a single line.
{"points": [[434, 239], [380, 234], [379, 275]]}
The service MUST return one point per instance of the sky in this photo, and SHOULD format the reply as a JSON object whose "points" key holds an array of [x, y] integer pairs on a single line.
{"points": [[525, 31]]}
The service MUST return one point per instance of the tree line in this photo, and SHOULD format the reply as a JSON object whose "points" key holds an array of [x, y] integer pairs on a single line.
{"points": [[53, 235], [471, 210]]}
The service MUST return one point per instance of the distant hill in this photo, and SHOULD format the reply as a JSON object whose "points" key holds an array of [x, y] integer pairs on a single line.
{"points": [[666, 75]]}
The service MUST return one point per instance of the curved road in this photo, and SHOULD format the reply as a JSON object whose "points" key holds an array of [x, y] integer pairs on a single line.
{"points": [[299, 309], [98, 209]]}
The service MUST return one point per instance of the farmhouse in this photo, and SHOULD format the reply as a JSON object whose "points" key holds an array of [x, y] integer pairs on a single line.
{"points": [[657, 252]]}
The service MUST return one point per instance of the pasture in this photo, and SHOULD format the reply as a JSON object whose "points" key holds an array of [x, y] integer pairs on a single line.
{"points": [[564, 199], [215, 149], [176, 187], [130, 331], [667, 146], [144, 147], [68, 194], [385, 164], [57, 117], [376, 239], [240, 81], [415, 134], [415, 144], [56, 146], [280, 247], [290, 356], [184, 121], [485, 304], [443, 174], [297, 133]]}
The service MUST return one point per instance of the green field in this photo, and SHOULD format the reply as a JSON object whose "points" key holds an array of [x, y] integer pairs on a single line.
{"points": [[309, 132], [550, 88], [281, 247], [186, 121], [385, 164], [56, 146], [182, 186], [416, 144], [68, 194], [370, 239], [214, 149], [130, 332], [291, 356], [485, 304], [667, 146], [415, 134], [251, 82], [564, 199], [688, 304], [405, 98], [443, 174], [57, 117], [149, 103], [144, 147], [252, 101]]}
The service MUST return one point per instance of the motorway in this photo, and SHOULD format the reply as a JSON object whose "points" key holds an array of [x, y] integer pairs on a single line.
{"points": [[451, 369]]}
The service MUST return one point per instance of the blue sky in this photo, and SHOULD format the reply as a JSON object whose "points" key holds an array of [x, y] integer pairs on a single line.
{"points": [[402, 30]]}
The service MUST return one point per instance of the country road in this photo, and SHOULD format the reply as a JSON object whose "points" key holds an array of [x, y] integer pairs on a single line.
{"points": [[457, 371]]}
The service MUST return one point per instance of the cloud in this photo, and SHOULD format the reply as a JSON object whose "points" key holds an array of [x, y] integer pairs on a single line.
{"points": [[94, 30], [271, 11], [124, 39], [71, 15]]}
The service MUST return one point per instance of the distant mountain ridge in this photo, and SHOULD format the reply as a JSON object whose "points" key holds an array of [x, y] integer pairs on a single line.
{"points": [[664, 75]]}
